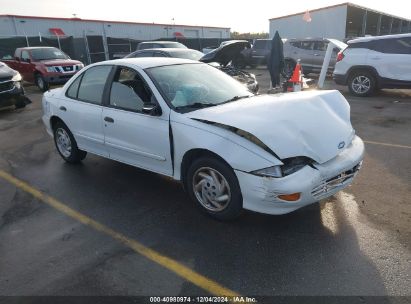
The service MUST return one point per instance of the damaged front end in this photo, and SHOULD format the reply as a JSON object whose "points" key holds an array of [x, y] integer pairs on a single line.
{"points": [[224, 57], [11, 88]]}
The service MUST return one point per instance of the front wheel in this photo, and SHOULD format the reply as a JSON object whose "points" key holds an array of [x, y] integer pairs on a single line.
{"points": [[361, 83], [214, 187], [66, 144], [41, 83]]}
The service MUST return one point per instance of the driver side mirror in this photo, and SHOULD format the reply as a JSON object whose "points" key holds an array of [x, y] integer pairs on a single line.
{"points": [[152, 109]]}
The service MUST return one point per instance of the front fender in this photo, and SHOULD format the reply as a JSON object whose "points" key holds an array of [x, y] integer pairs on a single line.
{"points": [[239, 153]]}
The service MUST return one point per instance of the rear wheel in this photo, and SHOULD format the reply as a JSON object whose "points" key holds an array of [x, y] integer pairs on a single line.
{"points": [[361, 83], [41, 83], [213, 186], [66, 144]]}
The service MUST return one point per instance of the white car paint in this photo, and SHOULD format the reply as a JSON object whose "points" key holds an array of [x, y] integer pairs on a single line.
{"points": [[312, 124]]}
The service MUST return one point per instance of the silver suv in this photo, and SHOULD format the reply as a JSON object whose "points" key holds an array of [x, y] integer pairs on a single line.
{"points": [[311, 52]]}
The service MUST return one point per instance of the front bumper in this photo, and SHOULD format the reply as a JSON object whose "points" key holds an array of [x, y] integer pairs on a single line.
{"points": [[11, 94], [260, 194]]}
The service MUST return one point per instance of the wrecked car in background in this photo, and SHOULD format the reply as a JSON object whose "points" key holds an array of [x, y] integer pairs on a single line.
{"points": [[228, 57], [11, 88], [222, 58], [231, 149]]}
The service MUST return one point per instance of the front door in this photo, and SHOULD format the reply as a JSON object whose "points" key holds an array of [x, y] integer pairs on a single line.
{"points": [[131, 135]]}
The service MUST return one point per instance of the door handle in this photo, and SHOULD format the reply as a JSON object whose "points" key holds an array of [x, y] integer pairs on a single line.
{"points": [[376, 58], [108, 119], [316, 54], [63, 108]]}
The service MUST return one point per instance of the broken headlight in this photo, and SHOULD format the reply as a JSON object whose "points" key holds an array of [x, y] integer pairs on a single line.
{"points": [[290, 166], [293, 164]]}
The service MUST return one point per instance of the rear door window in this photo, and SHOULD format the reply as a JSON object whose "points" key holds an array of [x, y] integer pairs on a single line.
{"points": [[306, 45], [92, 84], [320, 46], [395, 45]]}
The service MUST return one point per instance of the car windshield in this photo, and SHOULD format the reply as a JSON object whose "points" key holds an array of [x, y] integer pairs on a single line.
{"points": [[187, 54], [187, 87], [47, 53]]}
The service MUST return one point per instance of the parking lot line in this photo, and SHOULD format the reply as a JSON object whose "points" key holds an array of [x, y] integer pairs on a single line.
{"points": [[386, 144], [179, 269]]}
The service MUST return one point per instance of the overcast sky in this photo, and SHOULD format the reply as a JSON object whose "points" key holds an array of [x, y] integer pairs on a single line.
{"points": [[243, 16]]}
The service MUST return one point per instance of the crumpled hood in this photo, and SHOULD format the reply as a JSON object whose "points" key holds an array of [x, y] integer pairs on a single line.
{"points": [[60, 62], [226, 53], [315, 124]]}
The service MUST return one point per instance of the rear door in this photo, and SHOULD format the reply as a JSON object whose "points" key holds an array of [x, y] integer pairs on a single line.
{"points": [[82, 109], [319, 50], [132, 136], [306, 53], [392, 58]]}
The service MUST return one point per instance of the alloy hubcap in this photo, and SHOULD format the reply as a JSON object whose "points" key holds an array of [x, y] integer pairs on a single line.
{"points": [[63, 142], [361, 84], [40, 82], [211, 189]]}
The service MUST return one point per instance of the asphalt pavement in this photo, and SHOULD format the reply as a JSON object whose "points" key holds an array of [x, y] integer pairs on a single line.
{"points": [[355, 243]]}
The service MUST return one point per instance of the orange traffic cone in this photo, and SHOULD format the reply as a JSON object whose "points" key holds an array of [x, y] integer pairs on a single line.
{"points": [[296, 79]]}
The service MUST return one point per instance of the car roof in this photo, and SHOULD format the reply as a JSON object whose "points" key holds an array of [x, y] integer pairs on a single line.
{"points": [[155, 41], [371, 38], [148, 62], [37, 47], [308, 39], [165, 50]]}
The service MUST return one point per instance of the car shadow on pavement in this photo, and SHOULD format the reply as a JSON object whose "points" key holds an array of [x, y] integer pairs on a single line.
{"points": [[313, 251]]}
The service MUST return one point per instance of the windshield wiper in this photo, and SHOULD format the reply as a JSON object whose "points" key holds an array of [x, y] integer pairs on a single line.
{"points": [[196, 105], [235, 98]]}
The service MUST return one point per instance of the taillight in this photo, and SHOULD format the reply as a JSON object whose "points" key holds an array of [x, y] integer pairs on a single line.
{"points": [[340, 56]]}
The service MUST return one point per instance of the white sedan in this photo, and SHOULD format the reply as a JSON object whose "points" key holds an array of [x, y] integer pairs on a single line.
{"points": [[232, 150]]}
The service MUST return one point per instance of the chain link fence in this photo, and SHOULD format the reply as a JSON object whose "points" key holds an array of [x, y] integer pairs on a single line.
{"points": [[90, 49]]}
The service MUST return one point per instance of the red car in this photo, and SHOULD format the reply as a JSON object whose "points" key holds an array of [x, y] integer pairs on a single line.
{"points": [[43, 65]]}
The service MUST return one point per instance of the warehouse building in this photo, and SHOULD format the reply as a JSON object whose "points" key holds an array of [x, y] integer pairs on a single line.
{"points": [[13, 25], [340, 21], [97, 40]]}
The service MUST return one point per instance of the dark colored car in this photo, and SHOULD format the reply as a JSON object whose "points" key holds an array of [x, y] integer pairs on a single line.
{"points": [[259, 52], [11, 89], [43, 65], [221, 58]]}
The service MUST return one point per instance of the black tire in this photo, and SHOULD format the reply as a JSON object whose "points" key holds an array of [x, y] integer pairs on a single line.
{"points": [[76, 155], [365, 78], [234, 205], [41, 83]]}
